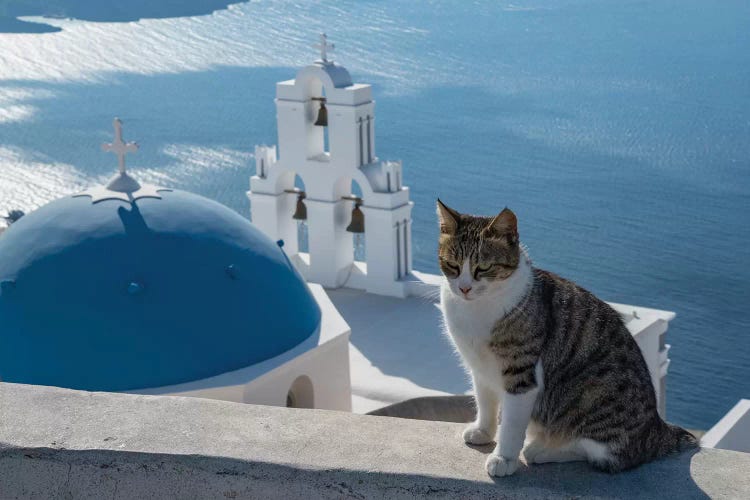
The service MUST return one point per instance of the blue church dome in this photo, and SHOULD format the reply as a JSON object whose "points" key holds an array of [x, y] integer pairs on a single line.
{"points": [[119, 295]]}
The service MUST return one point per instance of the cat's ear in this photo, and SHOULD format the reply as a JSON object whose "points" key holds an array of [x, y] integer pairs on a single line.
{"points": [[505, 224], [448, 218]]}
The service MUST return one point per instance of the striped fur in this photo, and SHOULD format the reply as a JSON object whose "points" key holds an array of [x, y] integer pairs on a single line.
{"points": [[596, 400]]}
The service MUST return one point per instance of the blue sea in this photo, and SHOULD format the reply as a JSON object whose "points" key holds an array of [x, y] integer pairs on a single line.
{"points": [[619, 133]]}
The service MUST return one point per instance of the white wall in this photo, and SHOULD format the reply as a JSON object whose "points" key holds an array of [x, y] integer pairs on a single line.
{"points": [[327, 367], [732, 432]]}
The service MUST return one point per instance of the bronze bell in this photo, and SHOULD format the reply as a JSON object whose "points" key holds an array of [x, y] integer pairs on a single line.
{"points": [[322, 120], [301, 212], [358, 221]]}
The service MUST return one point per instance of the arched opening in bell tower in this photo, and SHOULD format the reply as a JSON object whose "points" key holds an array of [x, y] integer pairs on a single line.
{"points": [[357, 225], [316, 117], [299, 214], [321, 114]]}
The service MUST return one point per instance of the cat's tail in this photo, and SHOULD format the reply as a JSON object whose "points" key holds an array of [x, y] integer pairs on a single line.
{"points": [[674, 439], [661, 439]]}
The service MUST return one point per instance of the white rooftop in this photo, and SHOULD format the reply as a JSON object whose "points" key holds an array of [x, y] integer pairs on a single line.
{"points": [[732, 432], [398, 349]]}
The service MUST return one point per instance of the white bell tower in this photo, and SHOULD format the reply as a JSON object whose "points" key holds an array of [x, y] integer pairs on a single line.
{"points": [[326, 131]]}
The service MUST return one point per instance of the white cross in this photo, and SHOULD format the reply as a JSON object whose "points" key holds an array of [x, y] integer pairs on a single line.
{"points": [[324, 47], [119, 147]]}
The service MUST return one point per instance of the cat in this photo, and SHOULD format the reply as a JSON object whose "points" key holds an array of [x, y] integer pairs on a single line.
{"points": [[559, 361]]}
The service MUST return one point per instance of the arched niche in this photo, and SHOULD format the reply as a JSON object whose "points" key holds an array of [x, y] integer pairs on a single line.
{"points": [[301, 393]]}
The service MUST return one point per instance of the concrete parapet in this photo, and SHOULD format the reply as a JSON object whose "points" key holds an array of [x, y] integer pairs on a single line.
{"points": [[58, 443]]}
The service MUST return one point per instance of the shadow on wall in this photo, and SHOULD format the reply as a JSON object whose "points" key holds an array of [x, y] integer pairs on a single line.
{"points": [[42, 471], [461, 409], [99, 11]]}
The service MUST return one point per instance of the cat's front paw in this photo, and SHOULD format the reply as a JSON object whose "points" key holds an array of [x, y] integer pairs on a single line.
{"points": [[498, 466], [474, 434]]}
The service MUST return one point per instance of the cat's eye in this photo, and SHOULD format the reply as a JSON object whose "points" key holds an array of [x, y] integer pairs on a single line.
{"points": [[480, 269], [454, 269]]}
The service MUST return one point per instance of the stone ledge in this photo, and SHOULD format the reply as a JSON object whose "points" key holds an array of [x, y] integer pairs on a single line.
{"points": [[57, 442]]}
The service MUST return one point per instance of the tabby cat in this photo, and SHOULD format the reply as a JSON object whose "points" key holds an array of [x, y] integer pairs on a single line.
{"points": [[559, 361]]}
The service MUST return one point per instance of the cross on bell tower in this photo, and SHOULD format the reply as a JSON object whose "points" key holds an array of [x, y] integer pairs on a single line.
{"points": [[324, 47]]}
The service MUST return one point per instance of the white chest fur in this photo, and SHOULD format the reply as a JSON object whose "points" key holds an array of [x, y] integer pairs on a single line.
{"points": [[470, 328]]}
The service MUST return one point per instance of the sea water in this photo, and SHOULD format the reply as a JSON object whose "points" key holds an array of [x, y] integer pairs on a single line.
{"points": [[619, 133]]}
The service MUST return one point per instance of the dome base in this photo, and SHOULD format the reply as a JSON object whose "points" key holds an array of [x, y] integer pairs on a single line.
{"points": [[123, 183], [119, 182]]}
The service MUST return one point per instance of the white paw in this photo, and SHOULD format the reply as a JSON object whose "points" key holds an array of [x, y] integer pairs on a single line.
{"points": [[474, 434], [500, 466], [533, 450]]}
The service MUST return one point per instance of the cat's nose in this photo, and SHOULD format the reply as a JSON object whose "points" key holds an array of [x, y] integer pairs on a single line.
{"points": [[465, 290]]}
